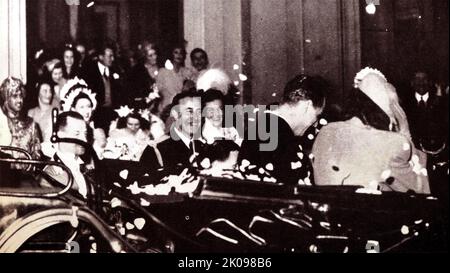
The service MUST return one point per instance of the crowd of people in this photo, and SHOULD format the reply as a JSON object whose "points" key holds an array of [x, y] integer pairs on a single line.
{"points": [[175, 117]]}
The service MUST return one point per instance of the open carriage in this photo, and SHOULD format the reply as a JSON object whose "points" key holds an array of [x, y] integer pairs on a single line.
{"points": [[212, 215]]}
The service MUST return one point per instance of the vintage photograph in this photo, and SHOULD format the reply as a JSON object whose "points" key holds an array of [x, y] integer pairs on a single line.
{"points": [[224, 126]]}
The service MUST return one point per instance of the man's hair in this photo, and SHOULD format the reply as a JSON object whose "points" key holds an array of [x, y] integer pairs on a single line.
{"points": [[191, 93], [61, 121], [104, 46], [198, 50], [304, 87], [212, 95]]}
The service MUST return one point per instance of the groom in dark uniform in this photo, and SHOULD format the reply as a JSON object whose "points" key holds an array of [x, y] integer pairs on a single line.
{"points": [[280, 152]]}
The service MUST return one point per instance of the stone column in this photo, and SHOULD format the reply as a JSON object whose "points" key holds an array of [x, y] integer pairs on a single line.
{"points": [[13, 51]]}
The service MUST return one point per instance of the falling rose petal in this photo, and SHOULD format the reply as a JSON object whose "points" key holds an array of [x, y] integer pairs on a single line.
{"points": [[94, 246], [406, 146], [236, 67], [418, 222], [129, 226], [245, 163], [168, 65], [144, 203], [308, 181], [134, 188], [238, 93], [139, 223], [253, 177], [236, 83], [261, 171], [206, 163], [404, 230], [124, 174], [117, 184], [296, 165], [115, 202], [311, 156], [310, 136], [269, 180], [323, 122], [300, 147], [269, 167], [242, 77], [274, 94], [300, 155], [116, 246]]}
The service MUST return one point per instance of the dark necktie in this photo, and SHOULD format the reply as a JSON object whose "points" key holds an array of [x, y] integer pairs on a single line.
{"points": [[422, 104], [107, 83]]}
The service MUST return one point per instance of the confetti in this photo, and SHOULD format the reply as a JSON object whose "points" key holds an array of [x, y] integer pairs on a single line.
{"points": [[308, 181], [311, 156], [115, 245], [274, 94], [236, 83], [242, 77], [236, 67], [129, 226], [115, 202], [206, 163], [323, 122], [404, 230], [261, 171], [144, 203], [245, 163], [134, 188], [270, 179], [296, 165], [124, 174], [269, 167], [139, 223], [168, 65], [310, 136]]}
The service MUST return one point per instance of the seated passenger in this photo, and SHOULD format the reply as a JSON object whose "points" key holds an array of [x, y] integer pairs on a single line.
{"points": [[278, 150], [24, 131], [70, 125], [368, 149], [213, 109], [184, 142]]}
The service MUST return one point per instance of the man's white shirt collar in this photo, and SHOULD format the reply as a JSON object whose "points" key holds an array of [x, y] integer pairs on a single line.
{"points": [[183, 137], [424, 97], [102, 68]]}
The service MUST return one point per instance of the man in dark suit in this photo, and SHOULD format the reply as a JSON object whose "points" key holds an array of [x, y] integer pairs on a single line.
{"points": [[104, 81], [427, 114], [279, 152], [184, 141]]}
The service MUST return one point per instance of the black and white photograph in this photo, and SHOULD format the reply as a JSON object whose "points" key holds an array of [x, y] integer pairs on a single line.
{"points": [[214, 127]]}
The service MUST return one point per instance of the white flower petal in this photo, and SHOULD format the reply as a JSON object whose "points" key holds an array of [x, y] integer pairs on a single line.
{"points": [[242, 77], [139, 223], [129, 226], [269, 167], [124, 174], [115, 202]]}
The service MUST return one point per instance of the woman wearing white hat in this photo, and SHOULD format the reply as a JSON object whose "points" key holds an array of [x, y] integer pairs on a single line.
{"points": [[372, 148]]}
